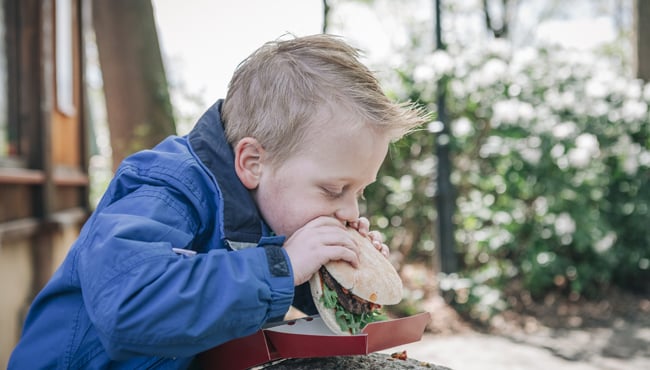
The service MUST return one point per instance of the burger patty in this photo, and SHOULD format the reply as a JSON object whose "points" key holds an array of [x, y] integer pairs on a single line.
{"points": [[350, 302]]}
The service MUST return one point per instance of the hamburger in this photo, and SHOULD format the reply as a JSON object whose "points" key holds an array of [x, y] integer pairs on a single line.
{"points": [[349, 298]]}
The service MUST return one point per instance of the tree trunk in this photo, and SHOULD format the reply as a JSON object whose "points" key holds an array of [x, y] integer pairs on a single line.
{"points": [[642, 39], [138, 105], [326, 16], [498, 29]]}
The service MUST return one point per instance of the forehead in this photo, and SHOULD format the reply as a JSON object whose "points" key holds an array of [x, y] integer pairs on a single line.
{"points": [[341, 150]]}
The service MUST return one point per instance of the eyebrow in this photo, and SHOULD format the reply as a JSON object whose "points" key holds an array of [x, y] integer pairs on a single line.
{"points": [[350, 180]]}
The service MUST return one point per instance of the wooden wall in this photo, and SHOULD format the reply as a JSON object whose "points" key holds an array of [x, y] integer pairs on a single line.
{"points": [[43, 177]]}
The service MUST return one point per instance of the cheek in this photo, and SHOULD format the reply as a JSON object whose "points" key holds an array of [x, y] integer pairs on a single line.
{"points": [[287, 211], [290, 214], [277, 206]]}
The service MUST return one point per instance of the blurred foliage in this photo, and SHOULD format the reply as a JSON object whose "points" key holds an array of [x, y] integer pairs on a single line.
{"points": [[551, 165]]}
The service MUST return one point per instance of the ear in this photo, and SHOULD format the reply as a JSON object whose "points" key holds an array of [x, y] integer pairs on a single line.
{"points": [[248, 161]]}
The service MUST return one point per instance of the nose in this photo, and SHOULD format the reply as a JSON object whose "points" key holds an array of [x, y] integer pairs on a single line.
{"points": [[348, 211]]}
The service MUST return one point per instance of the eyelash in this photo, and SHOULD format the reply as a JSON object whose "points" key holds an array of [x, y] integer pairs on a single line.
{"points": [[332, 194], [336, 195]]}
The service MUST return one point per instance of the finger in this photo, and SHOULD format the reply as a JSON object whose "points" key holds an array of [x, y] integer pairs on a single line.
{"points": [[349, 243], [385, 250], [363, 226], [341, 253], [381, 247], [337, 239], [376, 236], [325, 221], [334, 236]]}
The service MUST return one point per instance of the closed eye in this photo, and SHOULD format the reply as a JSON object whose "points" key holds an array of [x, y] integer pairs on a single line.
{"points": [[338, 192], [332, 194]]}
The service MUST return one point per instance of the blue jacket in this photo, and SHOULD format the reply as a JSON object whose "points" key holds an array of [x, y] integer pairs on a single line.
{"points": [[132, 294]]}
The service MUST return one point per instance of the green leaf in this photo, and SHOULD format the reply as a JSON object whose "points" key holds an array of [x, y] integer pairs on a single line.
{"points": [[348, 320]]}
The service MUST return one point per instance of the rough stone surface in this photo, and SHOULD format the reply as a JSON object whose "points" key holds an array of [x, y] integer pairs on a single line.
{"points": [[378, 361]]}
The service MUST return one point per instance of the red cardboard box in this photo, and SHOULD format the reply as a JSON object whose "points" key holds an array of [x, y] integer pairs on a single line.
{"points": [[310, 337]]}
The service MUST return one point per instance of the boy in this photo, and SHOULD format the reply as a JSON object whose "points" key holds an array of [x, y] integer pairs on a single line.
{"points": [[206, 237]]}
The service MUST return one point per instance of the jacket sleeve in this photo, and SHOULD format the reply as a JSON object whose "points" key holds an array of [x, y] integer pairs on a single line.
{"points": [[303, 300], [144, 299]]}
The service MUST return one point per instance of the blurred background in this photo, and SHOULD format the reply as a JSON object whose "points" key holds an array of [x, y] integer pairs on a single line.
{"points": [[520, 214]]}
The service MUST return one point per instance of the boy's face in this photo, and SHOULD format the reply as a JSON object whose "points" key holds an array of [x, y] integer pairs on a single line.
{"points": [[326, 178]]}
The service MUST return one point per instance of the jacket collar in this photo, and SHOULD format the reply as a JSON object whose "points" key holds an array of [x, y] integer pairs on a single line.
{"points": [[241, 223]]}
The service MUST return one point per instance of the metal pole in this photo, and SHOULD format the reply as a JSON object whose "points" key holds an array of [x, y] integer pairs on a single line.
{"points": [[445, 197]]}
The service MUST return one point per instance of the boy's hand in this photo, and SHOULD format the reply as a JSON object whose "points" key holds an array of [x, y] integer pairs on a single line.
{"points": [[321, 240], [363, 226]]}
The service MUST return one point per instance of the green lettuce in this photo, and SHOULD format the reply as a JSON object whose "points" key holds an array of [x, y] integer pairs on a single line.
{"points": [[348, 320]]}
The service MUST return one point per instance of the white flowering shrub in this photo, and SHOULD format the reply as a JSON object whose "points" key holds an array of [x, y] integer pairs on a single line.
{"points": [[551, 166]]}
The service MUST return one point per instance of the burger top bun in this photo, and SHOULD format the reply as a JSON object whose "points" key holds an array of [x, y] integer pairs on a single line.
{"points": [[375, 280]]}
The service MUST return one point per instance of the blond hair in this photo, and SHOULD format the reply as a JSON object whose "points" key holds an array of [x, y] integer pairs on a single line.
{"points": [[275, 93]]}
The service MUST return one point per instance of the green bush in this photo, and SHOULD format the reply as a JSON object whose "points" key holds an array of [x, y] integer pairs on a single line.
{"points": [[551, 167]]}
